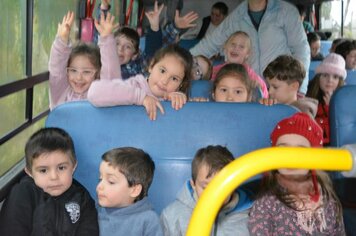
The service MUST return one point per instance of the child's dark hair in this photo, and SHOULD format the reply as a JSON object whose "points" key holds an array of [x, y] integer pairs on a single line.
{"points": [[131, 34], [314, 90], [222, 7], [345, 47], [313, 37], [215, 157], [89, 50], [48, 140], [184, 56], [285, 68], [239, 72], [135, 164]]}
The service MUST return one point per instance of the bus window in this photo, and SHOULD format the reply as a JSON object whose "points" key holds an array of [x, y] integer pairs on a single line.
{"points": [[331, 18]]}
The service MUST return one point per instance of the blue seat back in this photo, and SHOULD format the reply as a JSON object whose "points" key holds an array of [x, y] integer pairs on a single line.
{"points": [[172, 140], [351, 77], [201, 88], [343, 116]]}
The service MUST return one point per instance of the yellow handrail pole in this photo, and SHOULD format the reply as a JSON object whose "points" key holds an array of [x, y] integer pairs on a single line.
{"points": [[253, 163]]}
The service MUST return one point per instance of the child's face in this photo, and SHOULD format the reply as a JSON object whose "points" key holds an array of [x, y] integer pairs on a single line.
{"points": [[200, 68], [166, 76], [315, 48], [81, 73], [328, 83], [231, 89], [293, 140], [202, 181], [282, 91], [113, 189], [125, 50], [216, 16], [52, 172], [351, 60], [237, 50]]}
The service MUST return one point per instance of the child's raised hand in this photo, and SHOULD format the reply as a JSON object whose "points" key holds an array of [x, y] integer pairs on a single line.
{"points": [[185, 21], [64, 27], [177, 99], [153, 16], [268, 101], [151, 104], [106, 25]]}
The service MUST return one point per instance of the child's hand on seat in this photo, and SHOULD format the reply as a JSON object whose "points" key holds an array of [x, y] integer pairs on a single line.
{"points": [[153, 16], [151, 104], [185, 21], [268, 101], [63, 30], [106, 25], [178, 99]]}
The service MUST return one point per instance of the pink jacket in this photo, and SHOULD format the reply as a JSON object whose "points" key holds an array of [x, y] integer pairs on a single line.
{"points": [[114, 92], [251, 73], [60, 90]]}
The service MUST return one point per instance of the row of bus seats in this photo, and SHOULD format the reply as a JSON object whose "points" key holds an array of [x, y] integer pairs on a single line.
{"points": [[171, 140]]}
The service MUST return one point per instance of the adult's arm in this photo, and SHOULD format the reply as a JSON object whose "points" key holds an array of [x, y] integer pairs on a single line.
{"points": [[297, 41]]}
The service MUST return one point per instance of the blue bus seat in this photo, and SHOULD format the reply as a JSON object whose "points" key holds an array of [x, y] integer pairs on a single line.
{"points": [[325, 45], [172, 140], [351, 77], [142, 44], [311, 74], [343, 131], [343, 116], [188, 43], [313, 65], [201, 88]]}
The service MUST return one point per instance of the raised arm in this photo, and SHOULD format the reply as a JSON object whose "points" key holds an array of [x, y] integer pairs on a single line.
{"points": [[110, 66], [58, 60]]}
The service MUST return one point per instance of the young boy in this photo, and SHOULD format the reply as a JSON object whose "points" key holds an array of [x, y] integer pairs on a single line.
{"points": [[48, 201], [125, 176], [284, 76], [233, 217]]}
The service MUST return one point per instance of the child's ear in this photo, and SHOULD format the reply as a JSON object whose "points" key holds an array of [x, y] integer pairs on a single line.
{"points": [[295, 85], [28, 172], [136, 190], [74, 167], [192, 183]]}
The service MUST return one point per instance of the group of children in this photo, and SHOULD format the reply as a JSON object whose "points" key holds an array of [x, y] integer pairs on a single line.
{"points": [[51, 202], [115, 73]]}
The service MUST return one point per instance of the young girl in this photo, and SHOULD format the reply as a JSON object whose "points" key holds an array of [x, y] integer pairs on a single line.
{"points": [[330, 75], [347, 49], [168, 79], [232, 84], [297, 201], [73, 70], [237, 49]]}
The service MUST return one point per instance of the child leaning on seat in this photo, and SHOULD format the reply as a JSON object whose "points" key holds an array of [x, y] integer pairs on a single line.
{"points": [[48, 201], [168, 79], [72, 70], [233, 216], [297, 201], [125, 176]]}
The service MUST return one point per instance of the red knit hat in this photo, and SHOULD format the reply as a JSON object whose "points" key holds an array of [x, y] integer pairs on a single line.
{"points": [[299, 123]]}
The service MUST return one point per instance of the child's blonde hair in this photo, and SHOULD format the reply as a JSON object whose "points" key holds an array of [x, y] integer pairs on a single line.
{"points": [[238, 33]]}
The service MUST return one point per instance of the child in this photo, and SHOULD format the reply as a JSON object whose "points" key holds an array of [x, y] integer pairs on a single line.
{"points": [[48, 201], [237, 49], [314, 44], [202, 68], [297, 201], [232, 84], [73, 70], [347, 50], [125, 177], [168, 79], [335, 43], [330, 75], [133, 62], [232, 219]]}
